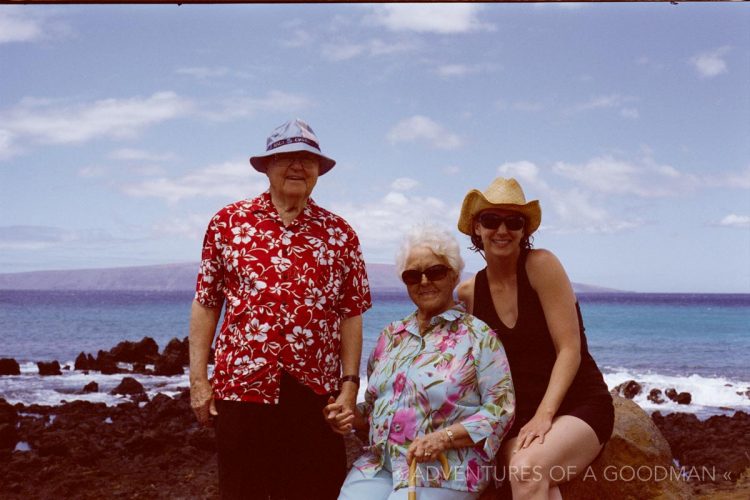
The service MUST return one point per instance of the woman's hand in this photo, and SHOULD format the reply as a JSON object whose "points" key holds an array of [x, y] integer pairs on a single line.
{"points": [[339, 418], [535, 429], [427, 448]]}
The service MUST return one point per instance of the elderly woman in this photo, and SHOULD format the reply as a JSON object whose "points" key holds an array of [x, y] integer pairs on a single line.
{"points": [[438, 383], [564, 414]]}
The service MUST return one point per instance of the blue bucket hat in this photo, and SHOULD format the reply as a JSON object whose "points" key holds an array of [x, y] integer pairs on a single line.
{"points": [[292, 136]]}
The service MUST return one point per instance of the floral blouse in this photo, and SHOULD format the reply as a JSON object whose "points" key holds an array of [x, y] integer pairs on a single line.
{"points": [[456, 372]]}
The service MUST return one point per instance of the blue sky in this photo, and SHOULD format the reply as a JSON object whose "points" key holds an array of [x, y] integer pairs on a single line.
{"points": [[124, 128]]}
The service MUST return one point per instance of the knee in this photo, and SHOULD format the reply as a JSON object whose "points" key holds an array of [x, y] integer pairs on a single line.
{"points": [[527, 477]]}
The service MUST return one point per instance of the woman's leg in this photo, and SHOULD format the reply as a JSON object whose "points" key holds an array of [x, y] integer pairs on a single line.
{"points": [[534, 472], [358, 487]]}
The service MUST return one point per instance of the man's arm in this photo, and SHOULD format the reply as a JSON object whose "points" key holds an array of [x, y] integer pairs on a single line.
{"points": [[351, 351], [203, 321]]}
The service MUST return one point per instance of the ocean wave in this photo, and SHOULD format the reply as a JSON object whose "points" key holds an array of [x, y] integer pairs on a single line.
{"points": [[710, 395]]}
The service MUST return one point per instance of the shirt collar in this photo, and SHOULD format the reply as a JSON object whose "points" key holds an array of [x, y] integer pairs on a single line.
{"points": [[411, 325], [262, 206]]}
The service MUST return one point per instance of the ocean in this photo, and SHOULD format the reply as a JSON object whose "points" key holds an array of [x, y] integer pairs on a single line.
{"points": [[698, 343]]}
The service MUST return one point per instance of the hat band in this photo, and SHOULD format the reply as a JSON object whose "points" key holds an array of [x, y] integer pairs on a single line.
{"points": [[292, 140]]}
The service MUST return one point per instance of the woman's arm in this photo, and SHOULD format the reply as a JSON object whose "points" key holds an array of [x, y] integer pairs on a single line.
{"points": [[465, 293], [551, 283]]}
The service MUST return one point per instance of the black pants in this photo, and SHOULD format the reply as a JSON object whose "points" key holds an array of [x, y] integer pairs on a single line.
{"points": [[285, 451]]}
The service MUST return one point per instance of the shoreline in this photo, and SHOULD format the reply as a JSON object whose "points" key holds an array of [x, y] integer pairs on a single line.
{"points": [[154, 448]]}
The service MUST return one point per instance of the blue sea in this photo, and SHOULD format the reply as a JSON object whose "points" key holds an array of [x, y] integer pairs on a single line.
{"points": [[697, 343]]}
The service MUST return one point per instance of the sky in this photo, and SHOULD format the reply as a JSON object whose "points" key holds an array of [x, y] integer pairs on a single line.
{"points": [[123, 129]]}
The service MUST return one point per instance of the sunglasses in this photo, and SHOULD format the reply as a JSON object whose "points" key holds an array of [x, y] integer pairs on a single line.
{"points": [[432, 273], [493, 221]]}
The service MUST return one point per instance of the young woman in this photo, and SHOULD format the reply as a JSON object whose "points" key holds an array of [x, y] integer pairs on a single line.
{"points": [[564, 412]]}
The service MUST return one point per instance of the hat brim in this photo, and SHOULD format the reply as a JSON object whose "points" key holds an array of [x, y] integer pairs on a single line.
{"points": [[475, 202], [260, 162]]}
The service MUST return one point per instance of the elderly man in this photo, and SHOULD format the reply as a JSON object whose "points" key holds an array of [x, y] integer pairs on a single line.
{"points": [[291, 277]]}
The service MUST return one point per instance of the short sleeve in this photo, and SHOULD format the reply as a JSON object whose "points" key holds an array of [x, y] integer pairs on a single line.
{"points": [[210, 283], [354, 295]]}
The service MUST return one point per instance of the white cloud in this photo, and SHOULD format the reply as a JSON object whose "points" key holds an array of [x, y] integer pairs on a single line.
{"points": [[41, 237], [629, 113], [7, 148], [17, 25], [737, 180], [382, 223], [461, 70], [232, 108], [203, 73], [345, 50], [230, 180], [647, 179], [50, 122], [420, 128], [605, 102], [404, 184], [734, 220], [442, 19], [451, 170], [298, 37], [127, 154], [711, 63], [576, 209]]}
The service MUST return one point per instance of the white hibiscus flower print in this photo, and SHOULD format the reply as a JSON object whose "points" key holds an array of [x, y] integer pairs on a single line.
{"points": [[243, 233], [256, 331], [337, 236], [300, 337], [315, 299], [253, 285]]}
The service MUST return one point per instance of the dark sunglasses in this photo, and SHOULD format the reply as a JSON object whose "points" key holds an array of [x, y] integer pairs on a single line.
{"points": [[493, 221], [433, 273]]}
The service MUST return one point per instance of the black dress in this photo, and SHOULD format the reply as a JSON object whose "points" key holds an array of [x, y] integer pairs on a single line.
{"points": [[531, 355]]}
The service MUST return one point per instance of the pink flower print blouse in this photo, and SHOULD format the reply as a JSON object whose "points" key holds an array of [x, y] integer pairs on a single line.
{"points": [[456, 372]]}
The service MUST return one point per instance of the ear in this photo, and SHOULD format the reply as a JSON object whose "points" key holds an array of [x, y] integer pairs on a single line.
{"points": [[476, 225]]}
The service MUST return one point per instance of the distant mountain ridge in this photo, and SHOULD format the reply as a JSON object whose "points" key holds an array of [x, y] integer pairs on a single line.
{"points": [[178, 277]]}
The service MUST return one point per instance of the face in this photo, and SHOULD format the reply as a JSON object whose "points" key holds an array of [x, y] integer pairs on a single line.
{"points": [[430, 297], [500, 241], [293, 174]]}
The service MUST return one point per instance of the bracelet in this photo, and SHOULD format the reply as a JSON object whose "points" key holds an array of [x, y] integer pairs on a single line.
{"points": [[450, 436], [350, 378]]}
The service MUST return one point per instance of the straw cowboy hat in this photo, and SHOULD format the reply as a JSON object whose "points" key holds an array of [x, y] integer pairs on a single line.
{"points": [[505, 194], [291, 137]]}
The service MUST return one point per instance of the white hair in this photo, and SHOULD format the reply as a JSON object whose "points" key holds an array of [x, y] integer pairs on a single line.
{"points": [[441, 242]]}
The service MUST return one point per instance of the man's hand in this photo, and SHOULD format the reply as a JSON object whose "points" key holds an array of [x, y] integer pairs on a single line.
{"points": [[339, 417], [202, 401]]}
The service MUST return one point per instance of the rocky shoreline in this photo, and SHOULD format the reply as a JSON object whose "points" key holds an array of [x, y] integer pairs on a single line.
{"points": [[154, 448]]}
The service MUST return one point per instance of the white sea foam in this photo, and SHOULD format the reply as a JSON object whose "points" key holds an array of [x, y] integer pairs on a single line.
{"points": [[710, 395], [31, 388]]}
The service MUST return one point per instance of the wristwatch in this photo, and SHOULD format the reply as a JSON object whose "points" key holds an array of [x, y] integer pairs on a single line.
{"points": [[350, 378]]}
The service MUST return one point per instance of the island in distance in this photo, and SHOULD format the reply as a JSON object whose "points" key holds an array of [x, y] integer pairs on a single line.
{"points": [[180, 277]]}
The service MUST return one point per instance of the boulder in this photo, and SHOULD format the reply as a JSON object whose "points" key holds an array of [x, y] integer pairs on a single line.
{"points": [[629, 389], [9, 366], [128, 386], [50, 368], [91, 387], [144, 351], [636, 463], [168, 366], [85, 362], [106, 363], [8, 419], [655, 396], [683, 398]]}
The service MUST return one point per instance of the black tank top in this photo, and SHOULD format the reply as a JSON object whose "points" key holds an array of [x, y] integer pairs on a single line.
{"points": [[531, 353]]}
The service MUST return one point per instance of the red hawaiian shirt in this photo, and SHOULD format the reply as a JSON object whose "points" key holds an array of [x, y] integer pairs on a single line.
{"points": [[286, 290]]}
